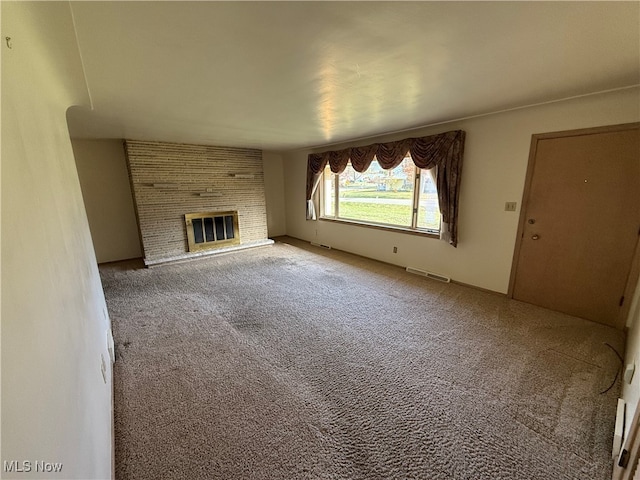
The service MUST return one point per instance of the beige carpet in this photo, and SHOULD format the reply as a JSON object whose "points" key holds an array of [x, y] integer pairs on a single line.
{"points": [[293, 362]]}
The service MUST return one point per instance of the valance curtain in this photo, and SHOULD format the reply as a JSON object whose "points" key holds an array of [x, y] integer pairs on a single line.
{"points": [[444, 151]]}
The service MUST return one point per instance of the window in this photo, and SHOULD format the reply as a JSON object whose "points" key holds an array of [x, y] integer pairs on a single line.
{"points": [[404, 197]]}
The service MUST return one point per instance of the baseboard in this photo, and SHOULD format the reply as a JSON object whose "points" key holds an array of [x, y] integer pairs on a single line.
{"points": [[111, 262], [282, 239], [486, 290]]}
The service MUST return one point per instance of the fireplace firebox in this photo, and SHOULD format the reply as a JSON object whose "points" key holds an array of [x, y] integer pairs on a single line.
{"points": [[212, 230]]}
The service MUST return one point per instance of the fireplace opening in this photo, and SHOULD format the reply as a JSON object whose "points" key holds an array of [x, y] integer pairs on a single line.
{"points": [[211, 230]]}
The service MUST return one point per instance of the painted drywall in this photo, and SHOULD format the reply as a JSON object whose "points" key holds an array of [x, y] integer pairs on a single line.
{"points": [[56, 407], [274, 193], [493, 172], [106, 190]]}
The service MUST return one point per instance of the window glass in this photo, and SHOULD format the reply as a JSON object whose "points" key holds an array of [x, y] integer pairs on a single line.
{"points": [[386, 197], [428, 210], [377, 195]]}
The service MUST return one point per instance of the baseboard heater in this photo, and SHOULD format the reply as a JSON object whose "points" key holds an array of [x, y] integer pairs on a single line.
{"points": [[322, 245], [433, 276]]}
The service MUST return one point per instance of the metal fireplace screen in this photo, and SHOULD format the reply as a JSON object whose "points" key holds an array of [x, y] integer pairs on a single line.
{"points": [[212, 230]]}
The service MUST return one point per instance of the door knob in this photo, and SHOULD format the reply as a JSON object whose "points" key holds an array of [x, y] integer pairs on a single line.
{"points": [[531, 221], [535, 237]]}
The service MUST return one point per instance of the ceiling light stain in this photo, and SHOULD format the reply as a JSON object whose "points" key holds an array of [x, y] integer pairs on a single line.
{"points": [[327, 104]]}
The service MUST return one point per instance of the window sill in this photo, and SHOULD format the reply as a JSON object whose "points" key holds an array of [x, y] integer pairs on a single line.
{"points": [[376, 226]]}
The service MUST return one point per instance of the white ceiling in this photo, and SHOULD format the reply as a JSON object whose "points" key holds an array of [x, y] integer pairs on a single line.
{"points": [[284, 75]]}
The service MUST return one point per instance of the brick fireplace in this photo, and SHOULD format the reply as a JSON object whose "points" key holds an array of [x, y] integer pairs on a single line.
{"points": [[220, 188]]}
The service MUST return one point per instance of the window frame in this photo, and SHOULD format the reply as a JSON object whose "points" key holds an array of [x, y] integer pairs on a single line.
{"points": [[411, 229]]}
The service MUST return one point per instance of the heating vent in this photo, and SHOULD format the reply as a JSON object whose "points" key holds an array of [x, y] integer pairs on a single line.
{"points": [[434, 276], [322, 245], [212, 230]]}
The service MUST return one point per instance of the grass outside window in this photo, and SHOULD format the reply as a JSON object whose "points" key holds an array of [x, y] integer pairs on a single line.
{"points": [[401, 197]]}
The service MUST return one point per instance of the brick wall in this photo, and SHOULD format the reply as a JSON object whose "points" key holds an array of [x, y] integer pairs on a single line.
{"points": [[191, 170]]}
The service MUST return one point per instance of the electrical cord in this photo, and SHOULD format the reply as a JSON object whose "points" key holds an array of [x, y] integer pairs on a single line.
{"points": [[617, 370]]}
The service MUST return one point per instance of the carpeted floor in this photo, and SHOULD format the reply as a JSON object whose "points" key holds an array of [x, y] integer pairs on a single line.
{"points": [[293, 362]]}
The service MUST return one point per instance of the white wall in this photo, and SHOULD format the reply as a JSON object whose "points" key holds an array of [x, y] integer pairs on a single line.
{"points": [[55, 405], [102, 169], [274, 192], [493, 172], [631, 392]]}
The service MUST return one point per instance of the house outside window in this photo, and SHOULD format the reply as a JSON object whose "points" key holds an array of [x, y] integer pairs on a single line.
{"points": [[404, 197]]}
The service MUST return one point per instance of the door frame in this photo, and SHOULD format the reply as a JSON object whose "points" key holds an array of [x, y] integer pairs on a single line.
{"points": [[524, 204]]}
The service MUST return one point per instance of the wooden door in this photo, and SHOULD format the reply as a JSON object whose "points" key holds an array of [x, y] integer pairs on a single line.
{"points": [[579, 222]]}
